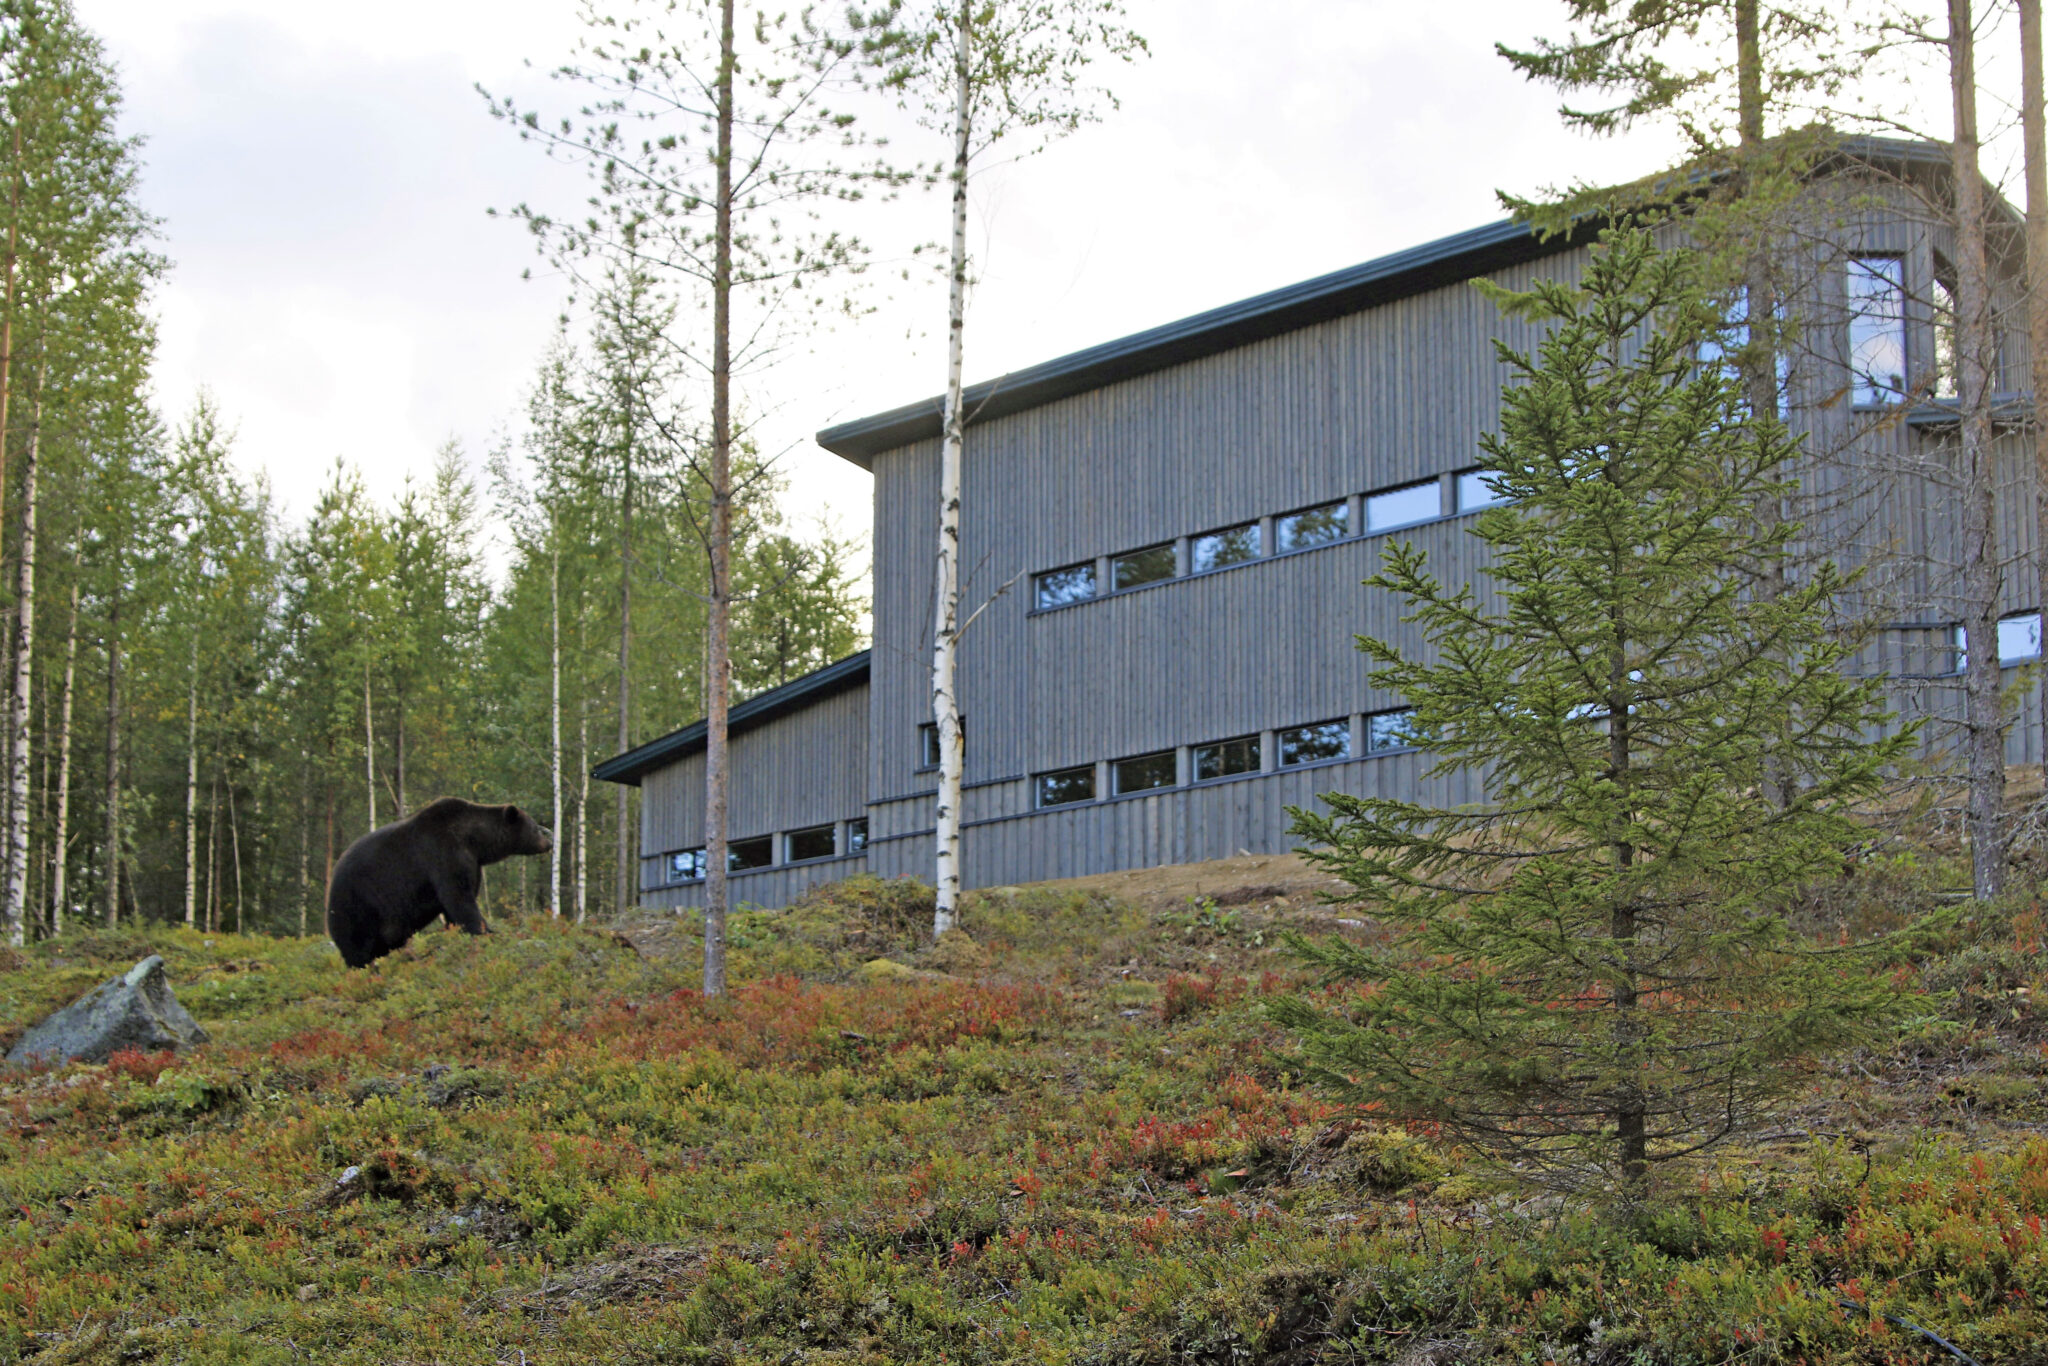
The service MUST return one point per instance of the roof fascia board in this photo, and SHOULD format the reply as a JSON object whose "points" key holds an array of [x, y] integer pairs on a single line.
{"points": [[629, 768]]}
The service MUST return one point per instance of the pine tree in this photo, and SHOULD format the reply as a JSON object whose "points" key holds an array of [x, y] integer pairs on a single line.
{"points": [[1593, 973]]}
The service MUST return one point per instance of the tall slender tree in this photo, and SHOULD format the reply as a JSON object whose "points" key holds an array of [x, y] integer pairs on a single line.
{"points": [[983, 71]]}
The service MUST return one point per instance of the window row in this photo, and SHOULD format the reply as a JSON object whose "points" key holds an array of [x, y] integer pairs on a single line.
{"points": [[758, 851], [1317, 742], [1385, 510]]}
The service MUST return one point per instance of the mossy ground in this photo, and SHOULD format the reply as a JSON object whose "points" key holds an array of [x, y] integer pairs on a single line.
{"points": [[1073, 1139]]}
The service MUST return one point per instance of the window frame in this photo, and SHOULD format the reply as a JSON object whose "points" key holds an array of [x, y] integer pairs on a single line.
{"points": [[789, 837], [928, 745], [1412, 486], [1853, 314], [1117, 561], [1339, 726], [1116, 784], [857, 835], [1366, 729], [671, 869], [1477, 474], [1258, 551], [1039, 780], [1257, 750], [732, 852], [1341, 507], [1077, 567]]}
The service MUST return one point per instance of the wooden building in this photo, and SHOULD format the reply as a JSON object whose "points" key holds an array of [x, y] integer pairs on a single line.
{"points": [[1165, 538]]}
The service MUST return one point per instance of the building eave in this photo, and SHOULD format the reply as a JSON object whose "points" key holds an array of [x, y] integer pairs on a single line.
{"points": [[629, 768], [1445, 261]]}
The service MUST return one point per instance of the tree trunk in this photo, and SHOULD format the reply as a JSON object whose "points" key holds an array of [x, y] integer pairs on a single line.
{"points": [[305, 833], [327, 871], [213, 862], [582, 813], [555, 719], [192, 786], [718, 682], [952, 453], [1983, 725], [235, 853], [7, 305], [623, 880], [1630, 1112], [60, 831], [369, 748], [2034, 135], [113, 802], [21, 702]]}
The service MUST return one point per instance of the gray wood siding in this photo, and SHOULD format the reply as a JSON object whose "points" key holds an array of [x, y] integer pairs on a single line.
{"points": [[802, 769], [768, 888]]}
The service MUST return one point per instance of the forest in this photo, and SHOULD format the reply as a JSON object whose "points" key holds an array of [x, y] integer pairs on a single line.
{"points": [[210, 699]]}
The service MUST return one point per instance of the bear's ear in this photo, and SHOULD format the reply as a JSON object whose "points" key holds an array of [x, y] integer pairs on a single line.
{"points": [[511, 814]]}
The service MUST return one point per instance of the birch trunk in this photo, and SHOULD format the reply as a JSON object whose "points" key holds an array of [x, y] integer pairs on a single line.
{"points": [[952, 451], [583, 814], [555, 721], [192, 786], [235, 852], [622, 873], [113, 802], [305, 834], [21, 702], [60, 829], [369, 748], [718, 681], [2034, 134], [212, 918], [1983, 716]]}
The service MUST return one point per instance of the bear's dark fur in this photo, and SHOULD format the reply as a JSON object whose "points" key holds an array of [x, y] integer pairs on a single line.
{"points": [[393, 881]]}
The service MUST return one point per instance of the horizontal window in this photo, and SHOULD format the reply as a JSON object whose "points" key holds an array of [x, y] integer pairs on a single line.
{"points": [[1476, 491], [1312, 526], [757, 852], [1067, 786], [1231, 545], [928, 742], [1058, 587], [1149, 565], [1143, 772], [687, 866], [1312, 744], [816, 842], [1227, 757], [2019, 640], [857, 836], [1389, 730], [1404, 506]]}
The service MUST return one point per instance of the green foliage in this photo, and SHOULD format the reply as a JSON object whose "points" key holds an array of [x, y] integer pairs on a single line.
{"points": [[1594, 971], [545, 1142]]}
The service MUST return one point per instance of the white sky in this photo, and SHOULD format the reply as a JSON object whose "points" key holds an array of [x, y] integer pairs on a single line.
{"points": [[324, 170]]}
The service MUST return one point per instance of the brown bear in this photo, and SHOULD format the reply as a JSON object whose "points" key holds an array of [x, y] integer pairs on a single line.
{"points": [[391, 883]]}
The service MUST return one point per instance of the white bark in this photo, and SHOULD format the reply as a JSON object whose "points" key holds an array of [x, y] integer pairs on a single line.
{"points": [[555, 720], [60, 830], [192, 786], [14, 896], [952, 449], [369, 747], [582, 814]]}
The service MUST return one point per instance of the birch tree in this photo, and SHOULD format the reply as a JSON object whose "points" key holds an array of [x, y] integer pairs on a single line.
{"points": [[714, 146], [981, 71]]}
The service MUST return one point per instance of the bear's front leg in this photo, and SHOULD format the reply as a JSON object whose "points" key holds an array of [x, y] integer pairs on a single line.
{"points": [[458, 905]]}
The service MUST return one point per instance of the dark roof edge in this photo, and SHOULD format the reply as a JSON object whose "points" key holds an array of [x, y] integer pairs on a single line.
{"points": [[1447, 260], [1432, 265], [629, 768]]}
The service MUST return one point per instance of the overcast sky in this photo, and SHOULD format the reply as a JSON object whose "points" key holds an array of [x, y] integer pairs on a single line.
{"points": [[324, 171]]}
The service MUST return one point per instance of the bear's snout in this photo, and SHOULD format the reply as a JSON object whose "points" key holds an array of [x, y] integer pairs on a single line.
{"points": [[547, 840]]}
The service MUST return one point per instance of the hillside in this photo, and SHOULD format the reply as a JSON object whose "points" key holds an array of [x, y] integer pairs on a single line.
{"points": [[1071, 1139]]}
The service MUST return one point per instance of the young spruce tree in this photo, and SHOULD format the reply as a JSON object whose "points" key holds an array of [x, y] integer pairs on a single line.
{"points": [[1592, 973]]}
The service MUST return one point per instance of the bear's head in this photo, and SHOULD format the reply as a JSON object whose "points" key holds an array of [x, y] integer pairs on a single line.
{"points": [[521, 833]]}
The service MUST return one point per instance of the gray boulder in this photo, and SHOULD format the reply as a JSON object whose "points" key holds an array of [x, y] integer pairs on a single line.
{"points": [[135, 1010]]}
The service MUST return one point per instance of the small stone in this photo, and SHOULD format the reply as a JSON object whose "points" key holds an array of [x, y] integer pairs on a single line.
{"points": [[135, 1010], [349, 1176], [308, 1293]]}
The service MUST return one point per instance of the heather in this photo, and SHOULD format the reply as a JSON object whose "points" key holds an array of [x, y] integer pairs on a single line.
{"points": [[1074, 1137]]}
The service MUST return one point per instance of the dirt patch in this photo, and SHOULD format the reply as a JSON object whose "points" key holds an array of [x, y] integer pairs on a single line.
{"points": [[660, 1271]]}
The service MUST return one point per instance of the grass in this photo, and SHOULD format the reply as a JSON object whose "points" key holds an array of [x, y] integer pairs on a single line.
{"points": [[1071, 1137]]}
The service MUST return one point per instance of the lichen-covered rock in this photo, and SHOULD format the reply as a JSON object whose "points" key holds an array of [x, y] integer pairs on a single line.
{"points": [[135, 1010]]}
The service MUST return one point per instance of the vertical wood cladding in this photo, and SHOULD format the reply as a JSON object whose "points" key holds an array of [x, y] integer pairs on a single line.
{"points": [[1395, 394], [805, 768]]}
